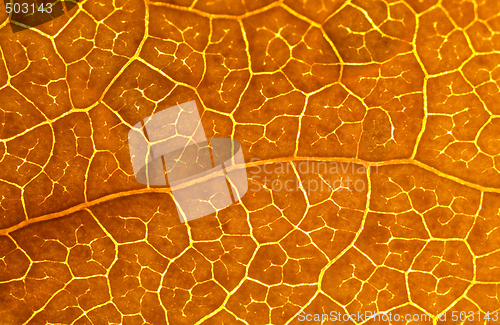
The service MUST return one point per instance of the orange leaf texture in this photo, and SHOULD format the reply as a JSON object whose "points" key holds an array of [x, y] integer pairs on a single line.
{"points": [[371, 135]]}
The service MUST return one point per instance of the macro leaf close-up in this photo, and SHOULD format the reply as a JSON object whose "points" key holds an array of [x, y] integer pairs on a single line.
{"points": [[230, 162]]}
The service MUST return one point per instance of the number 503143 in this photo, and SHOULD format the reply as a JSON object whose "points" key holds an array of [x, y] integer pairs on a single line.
{"points": [[26, 8], [472, 316]]}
